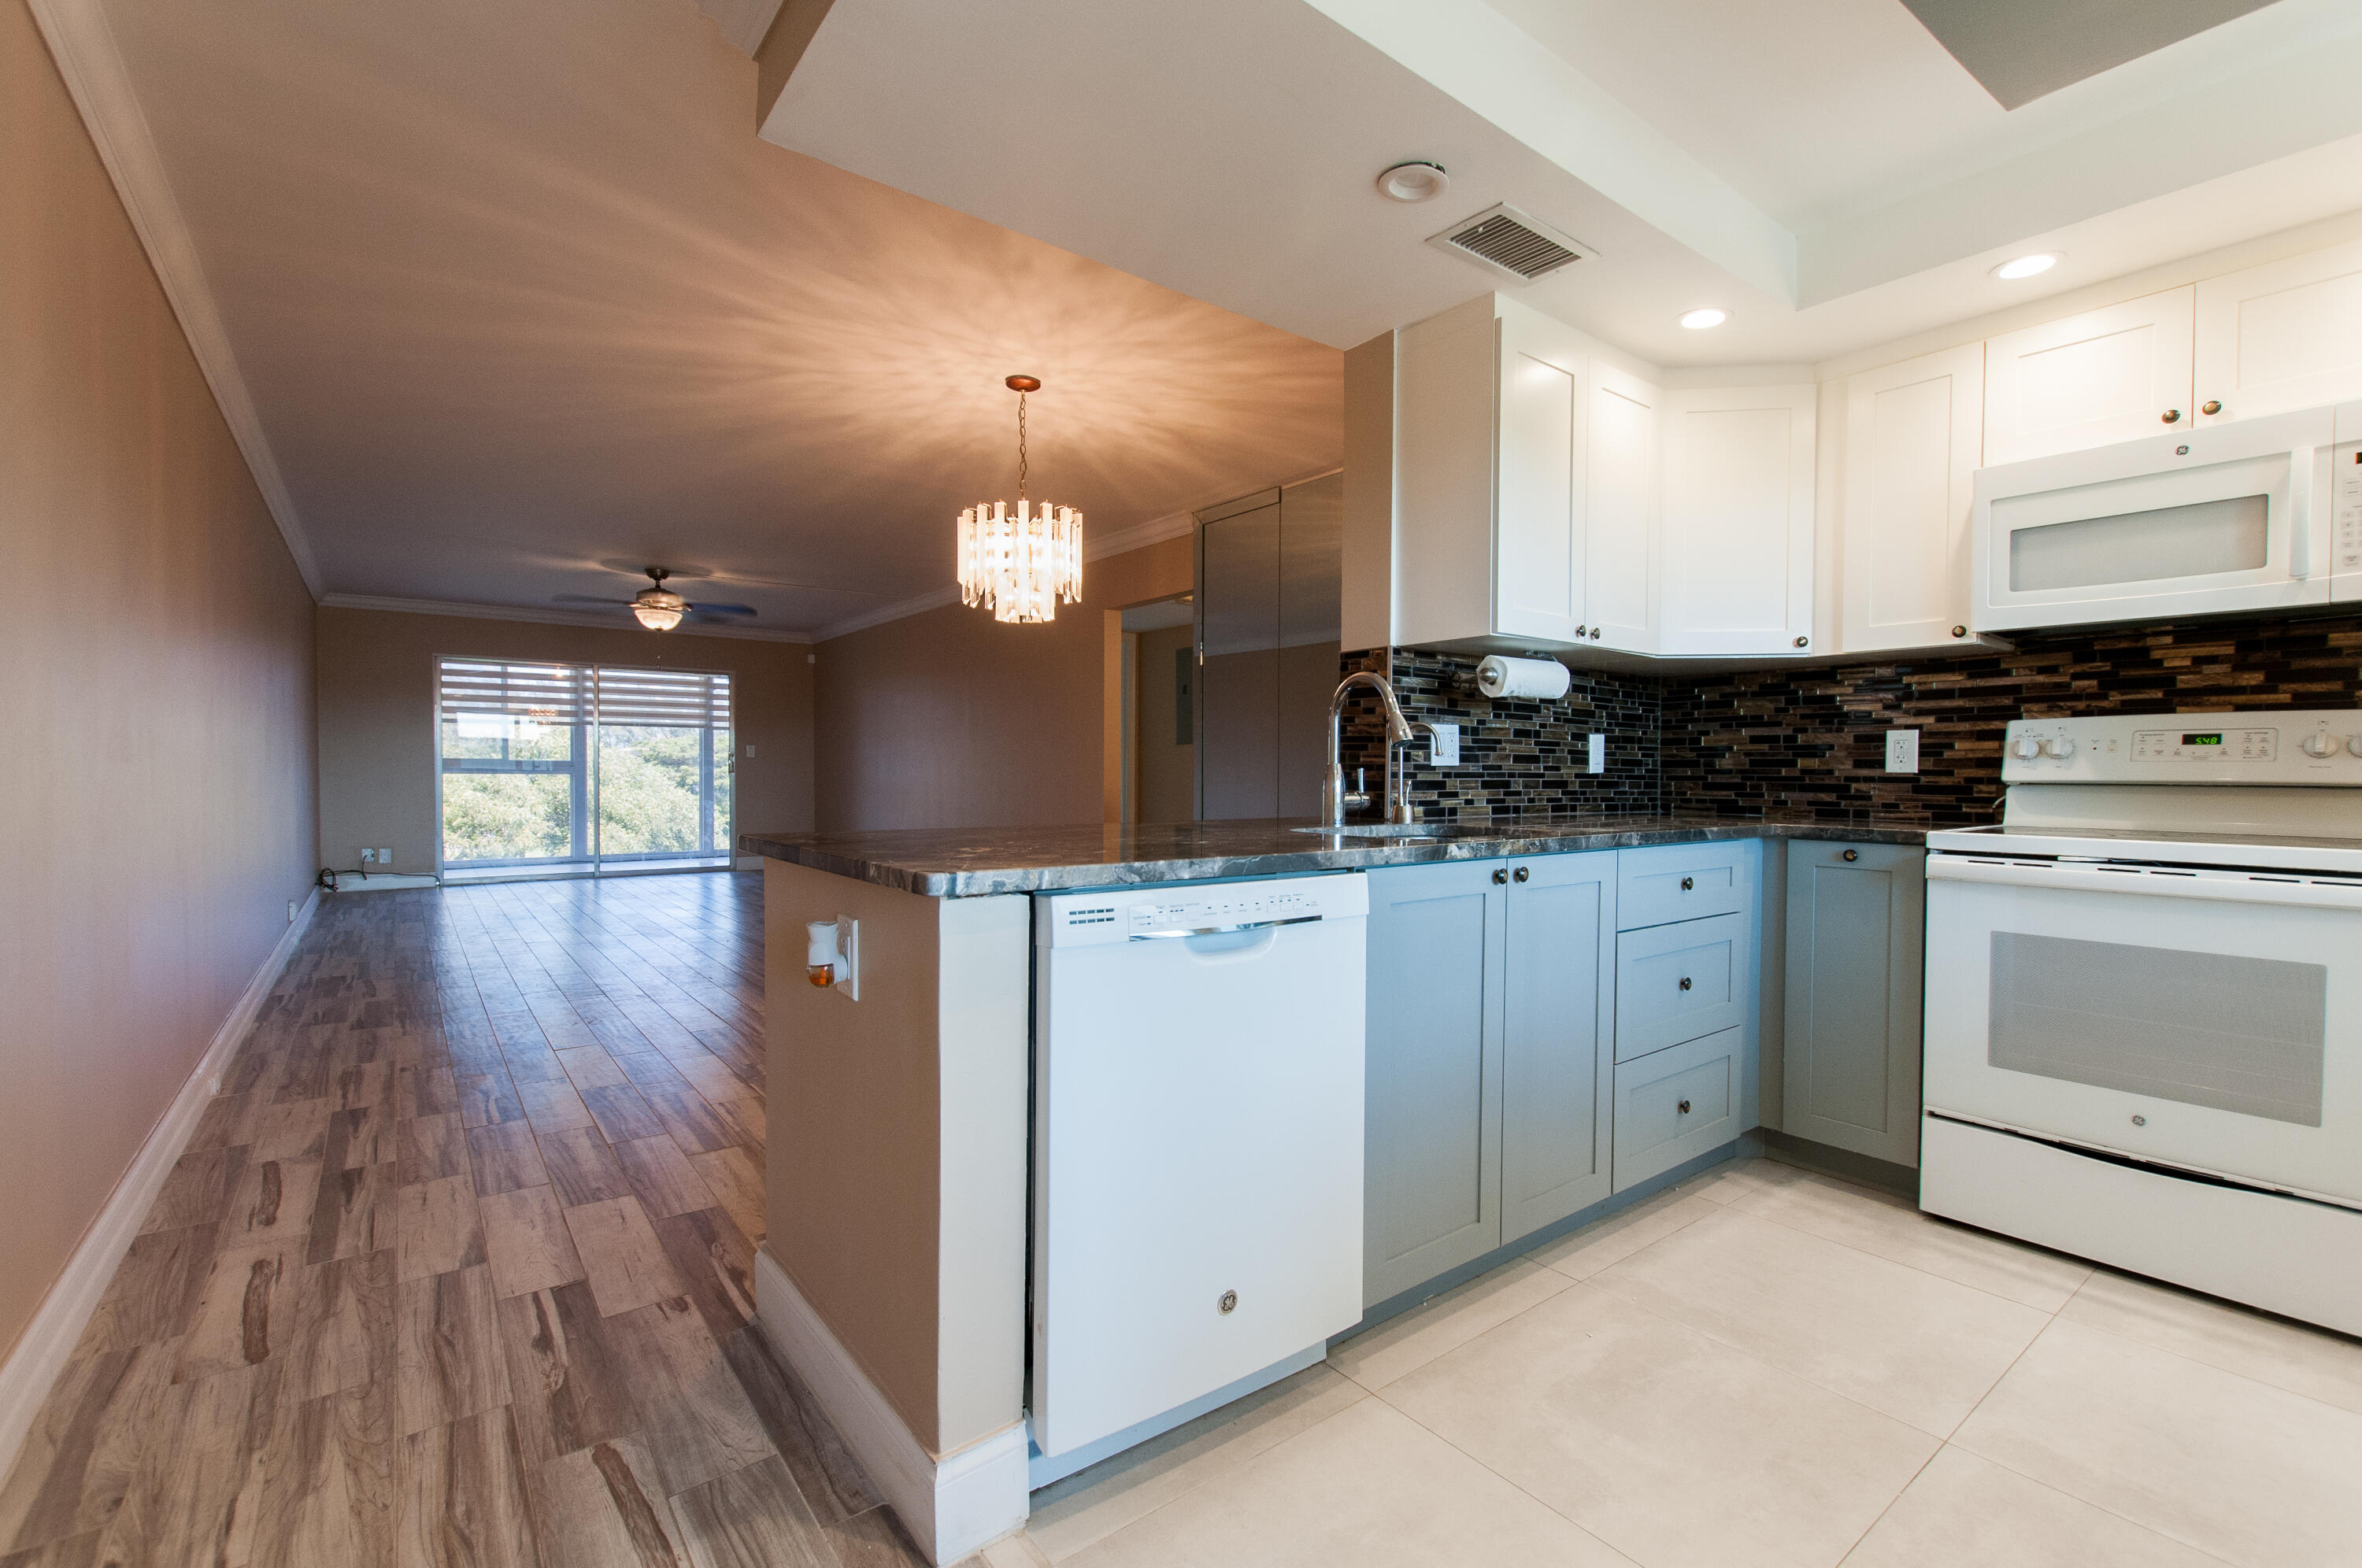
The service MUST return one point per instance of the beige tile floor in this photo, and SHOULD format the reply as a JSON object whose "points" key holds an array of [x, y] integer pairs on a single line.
{"points": [[1763, 1367]]}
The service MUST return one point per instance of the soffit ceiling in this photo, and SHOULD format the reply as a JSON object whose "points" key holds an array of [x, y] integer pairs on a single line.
{"points": [[522, 303], [1828, 172]]}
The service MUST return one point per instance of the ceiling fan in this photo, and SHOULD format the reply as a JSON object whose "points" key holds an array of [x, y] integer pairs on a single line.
{"points": [[658, 608]]}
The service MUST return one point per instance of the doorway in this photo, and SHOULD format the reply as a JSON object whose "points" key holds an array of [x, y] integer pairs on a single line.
{"points": [[1161, 710]]}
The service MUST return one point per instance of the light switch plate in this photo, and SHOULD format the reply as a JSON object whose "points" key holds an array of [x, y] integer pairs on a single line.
{"points": [[1903, 751], [1443, 746], [1595, 759], [750, 753]]}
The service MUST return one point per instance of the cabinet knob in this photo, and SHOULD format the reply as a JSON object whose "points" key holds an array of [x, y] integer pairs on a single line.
{"points": [[1959, 631], [1685, 982], [2210, 406], [2171, 416], [1688, 884], [1500, 874], [1684, 1108], [1853, 855], [1801, 642], [1228, 1302], [1523, 872], [1595, 633], [1581, 631]]}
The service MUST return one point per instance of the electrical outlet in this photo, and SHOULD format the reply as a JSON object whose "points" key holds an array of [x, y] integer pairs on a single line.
{"points": [[290, 911], [1903, 751], [368, 857], [1595, 759], [385, 857], [1443, 746]]}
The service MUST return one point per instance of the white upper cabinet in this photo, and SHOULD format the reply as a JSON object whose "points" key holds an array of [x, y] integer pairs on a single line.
{"points": [[1736, 528], [2281, 337], [1912, 434], [1620, 532], [1538, 554], [2105, 376]]}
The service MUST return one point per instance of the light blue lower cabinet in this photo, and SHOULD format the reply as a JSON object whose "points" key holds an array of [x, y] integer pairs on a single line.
{"points": [[1676, 1104], [1490, 1069], [1676, 982], [1855, 920]]}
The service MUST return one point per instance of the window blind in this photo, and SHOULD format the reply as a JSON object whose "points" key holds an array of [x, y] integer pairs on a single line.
{"points": [[670, 699], [543, 693]]}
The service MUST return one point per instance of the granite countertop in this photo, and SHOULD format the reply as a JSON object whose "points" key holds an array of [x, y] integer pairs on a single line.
{"points": [[971, 862]]}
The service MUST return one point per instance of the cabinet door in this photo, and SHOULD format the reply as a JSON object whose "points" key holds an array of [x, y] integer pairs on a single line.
{"points": [[1432, 1193], [1854, 967], [1736, 528], [1540, 494], [2107, 375], [2281, 337], [1620, 532], [1557, 1076], [1911, 463]]}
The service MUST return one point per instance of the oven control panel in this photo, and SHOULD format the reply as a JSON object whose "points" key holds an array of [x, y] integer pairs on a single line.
{"points": [[2346, 509], [2309, 746]]}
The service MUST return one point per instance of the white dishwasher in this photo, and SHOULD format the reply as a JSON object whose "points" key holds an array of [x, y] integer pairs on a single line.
{"points": [[1196, 1148]]}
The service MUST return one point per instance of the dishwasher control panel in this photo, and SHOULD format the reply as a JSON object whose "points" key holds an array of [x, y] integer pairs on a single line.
{"points": [[1187, 908]]}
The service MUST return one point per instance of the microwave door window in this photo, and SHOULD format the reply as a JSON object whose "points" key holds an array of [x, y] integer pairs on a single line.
{"points": [[2205, 539], [2224, 1031]]}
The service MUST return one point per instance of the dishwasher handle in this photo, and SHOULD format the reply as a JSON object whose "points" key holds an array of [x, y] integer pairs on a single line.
{"points": [[1221, 930]]}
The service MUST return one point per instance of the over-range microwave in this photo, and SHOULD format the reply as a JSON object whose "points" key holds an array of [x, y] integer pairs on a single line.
{"points": [[2260, 515]]}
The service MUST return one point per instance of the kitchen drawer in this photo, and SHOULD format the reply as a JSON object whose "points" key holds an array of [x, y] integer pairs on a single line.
{"points": [[1675, 1105], [1683, 881], [1676, 982]]}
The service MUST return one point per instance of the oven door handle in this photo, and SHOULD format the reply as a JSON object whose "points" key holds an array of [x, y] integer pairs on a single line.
{"points": [[2233, 889]]}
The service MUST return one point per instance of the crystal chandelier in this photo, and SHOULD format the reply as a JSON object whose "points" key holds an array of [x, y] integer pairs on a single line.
{"points": [[1020, 564]]}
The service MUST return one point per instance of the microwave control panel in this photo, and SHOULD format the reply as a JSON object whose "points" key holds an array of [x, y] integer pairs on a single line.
{"points": [[2305, 746], [2346, 510]]}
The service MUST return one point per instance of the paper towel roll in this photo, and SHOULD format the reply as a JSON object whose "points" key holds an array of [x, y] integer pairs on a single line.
{"points": [[1498, 677]]}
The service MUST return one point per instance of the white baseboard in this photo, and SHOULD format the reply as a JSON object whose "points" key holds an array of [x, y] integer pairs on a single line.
{"points": [[32, 1368], [951, 1505]]}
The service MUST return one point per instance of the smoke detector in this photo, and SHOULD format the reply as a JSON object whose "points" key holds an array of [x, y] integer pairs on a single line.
{"points": [[1511, 243]]}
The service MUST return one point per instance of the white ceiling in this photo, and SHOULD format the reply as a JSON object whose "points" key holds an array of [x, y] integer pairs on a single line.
{"points": [[1826, 171], [522, 303]]}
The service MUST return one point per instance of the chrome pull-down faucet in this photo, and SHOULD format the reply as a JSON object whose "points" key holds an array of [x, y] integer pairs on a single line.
{"points": [[1333, 798]]}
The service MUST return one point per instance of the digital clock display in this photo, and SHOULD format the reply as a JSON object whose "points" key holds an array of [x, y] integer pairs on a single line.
{"points": [[2215, 739]]}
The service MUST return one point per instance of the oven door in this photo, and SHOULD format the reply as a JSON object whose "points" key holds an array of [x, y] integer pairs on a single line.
{"points": [[2200, 1019]]}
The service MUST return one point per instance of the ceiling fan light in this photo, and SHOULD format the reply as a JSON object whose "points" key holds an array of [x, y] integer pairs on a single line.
{"points": [[658, 609]]}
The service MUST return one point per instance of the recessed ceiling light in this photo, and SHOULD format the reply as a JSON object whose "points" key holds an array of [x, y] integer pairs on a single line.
{"points": [[2026, 266], [1418, 180], [1699, 320]]}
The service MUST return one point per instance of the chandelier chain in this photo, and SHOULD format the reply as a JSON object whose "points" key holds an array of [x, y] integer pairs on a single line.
{"points": [[1020, 448]]}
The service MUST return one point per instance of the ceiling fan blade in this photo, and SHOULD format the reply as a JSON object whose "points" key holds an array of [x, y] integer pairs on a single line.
{"points": [[704, 608], [588, 599]]}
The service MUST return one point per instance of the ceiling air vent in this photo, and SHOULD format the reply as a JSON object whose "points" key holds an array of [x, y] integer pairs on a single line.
{"points": [[1503, 239]]}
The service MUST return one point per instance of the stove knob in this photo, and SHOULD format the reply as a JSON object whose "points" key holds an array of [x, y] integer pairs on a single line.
{"points": [[2025, 748], [2355, 746], [2320, 744], [2062, 747]]}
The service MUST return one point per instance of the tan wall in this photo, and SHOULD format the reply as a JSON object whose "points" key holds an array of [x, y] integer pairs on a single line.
{"points": [[951, 719], [1167, 772], [377, 717], [156, 798]]}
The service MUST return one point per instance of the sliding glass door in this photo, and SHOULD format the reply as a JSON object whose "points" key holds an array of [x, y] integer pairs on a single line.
{"points": [[565, 770]]}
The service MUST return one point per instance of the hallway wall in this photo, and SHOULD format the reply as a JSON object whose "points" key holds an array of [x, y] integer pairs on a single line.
{"points": [[157, 807]]}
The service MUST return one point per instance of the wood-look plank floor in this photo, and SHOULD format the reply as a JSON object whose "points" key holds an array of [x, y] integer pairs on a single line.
{"points": [[457, 1269]]}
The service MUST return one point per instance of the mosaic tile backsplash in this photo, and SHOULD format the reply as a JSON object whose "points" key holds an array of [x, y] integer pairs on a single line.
{"points": [[1810, 743]]}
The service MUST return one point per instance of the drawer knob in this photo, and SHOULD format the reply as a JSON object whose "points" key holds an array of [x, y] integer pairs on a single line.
{"points": [[1688, 883], [1853, 855], [1523, 872], [1684, 1108], [1500, 874], [1959, 631], [1230, 1301], [2210, 406], [2170, 415], [1685, 982]]}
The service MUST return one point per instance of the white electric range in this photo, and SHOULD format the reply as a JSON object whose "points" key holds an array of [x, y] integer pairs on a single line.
{"points": [[2144, 1004]]}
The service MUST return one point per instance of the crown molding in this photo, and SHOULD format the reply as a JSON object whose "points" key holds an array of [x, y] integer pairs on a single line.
{"points": [[83, 42], [589, 620]]}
